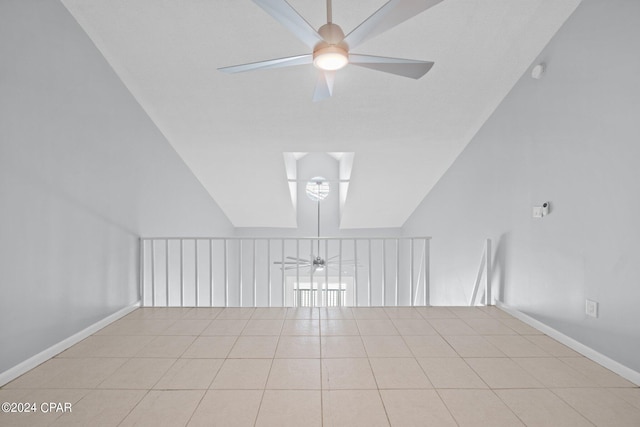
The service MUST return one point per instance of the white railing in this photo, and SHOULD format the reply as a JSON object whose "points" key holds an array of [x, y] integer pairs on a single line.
{"points": [[248, 272], [484, 270]]}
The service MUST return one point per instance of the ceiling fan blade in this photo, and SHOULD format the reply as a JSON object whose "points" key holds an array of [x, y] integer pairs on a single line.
{"points": [[282, 12], [324, 85], [388, 16], [298, 259], [289, 61], [402, 67]]}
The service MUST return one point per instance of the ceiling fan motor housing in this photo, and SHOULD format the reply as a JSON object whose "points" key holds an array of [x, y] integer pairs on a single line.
{"points": [[332, 53]]}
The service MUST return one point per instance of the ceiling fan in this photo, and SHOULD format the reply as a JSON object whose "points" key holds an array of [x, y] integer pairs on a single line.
{"points": [[331, 49], [317, 190]]}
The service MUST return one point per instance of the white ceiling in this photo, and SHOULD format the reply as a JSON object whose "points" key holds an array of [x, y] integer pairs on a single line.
{"points": [[231, 130]]}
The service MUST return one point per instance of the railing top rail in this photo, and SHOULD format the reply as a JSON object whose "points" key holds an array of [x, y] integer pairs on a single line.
{"points": [[289, 238]]}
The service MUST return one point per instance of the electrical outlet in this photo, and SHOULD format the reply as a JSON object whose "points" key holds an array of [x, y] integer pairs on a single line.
{"points": [[537, 212], [591, 308]]}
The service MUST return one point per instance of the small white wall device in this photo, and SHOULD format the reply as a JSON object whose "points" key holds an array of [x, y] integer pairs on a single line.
{"points": [[538, 71], [541, 211]]}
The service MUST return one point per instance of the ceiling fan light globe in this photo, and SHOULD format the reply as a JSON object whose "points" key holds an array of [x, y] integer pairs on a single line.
{"points": [[330, 58]]}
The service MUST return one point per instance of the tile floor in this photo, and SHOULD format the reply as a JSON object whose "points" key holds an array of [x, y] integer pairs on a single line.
{"points": [[430, 366]]}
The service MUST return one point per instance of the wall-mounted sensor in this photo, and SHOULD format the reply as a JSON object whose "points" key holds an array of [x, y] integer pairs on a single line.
{"points": [[538, 71], [540, 211]]}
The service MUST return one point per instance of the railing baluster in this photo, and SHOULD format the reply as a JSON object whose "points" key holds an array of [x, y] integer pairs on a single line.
{"points": [[166, 270], [397, 270], [340, 303], [326, 271], [311, 266], [369, 275], [142, 268], [253, 272], [197, 278], [297, 302], [384, 272], [226, 276], [240, 276], [181, 273], [411, 272], [211, 272], [269, 272], [283, 276], [153, 273], [355, 270]]}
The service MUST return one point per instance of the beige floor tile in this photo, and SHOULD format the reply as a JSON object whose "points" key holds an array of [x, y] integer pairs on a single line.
{"points": [[399, 373], [329, 313], [342, 346], [187, 327], [101, 408], [142, 326], [469, 312], [263, 327], [629, 395], [203, 313], [402, 313], [303, 313], [283, 408], [541, 408], [449, 372], [68, 373], [166, 346], [349, 373], [213, 347], [238, 374], [429, 346], [301, 327], [451, 327], [597, 373], [601, 407], [386, 346], [416, 408], [189, 374], [254, 347], [473, 346], [225, 327], [553, 372], [436, 313], [490, 327], [478, 408], [294, 374], [298, 347], [107, 346], [339, 327], [42, 415], [137, 374], [369, 313], [269, 313], [353, 408], [500, 372], [376, 327], [164, 408], [414, 327], [224, 408], [520, 327], [236, 313], [552, 346], [516, 346]]}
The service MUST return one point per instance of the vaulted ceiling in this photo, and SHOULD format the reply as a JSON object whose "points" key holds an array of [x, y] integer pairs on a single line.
{"points": [[232, 130]]}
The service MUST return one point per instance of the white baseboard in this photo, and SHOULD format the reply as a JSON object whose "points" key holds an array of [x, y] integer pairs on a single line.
{"points": [[586, 351], [13, 373]]}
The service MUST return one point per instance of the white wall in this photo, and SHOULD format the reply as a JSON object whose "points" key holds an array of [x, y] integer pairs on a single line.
{"points": [[83, 173], [571, 139]]}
